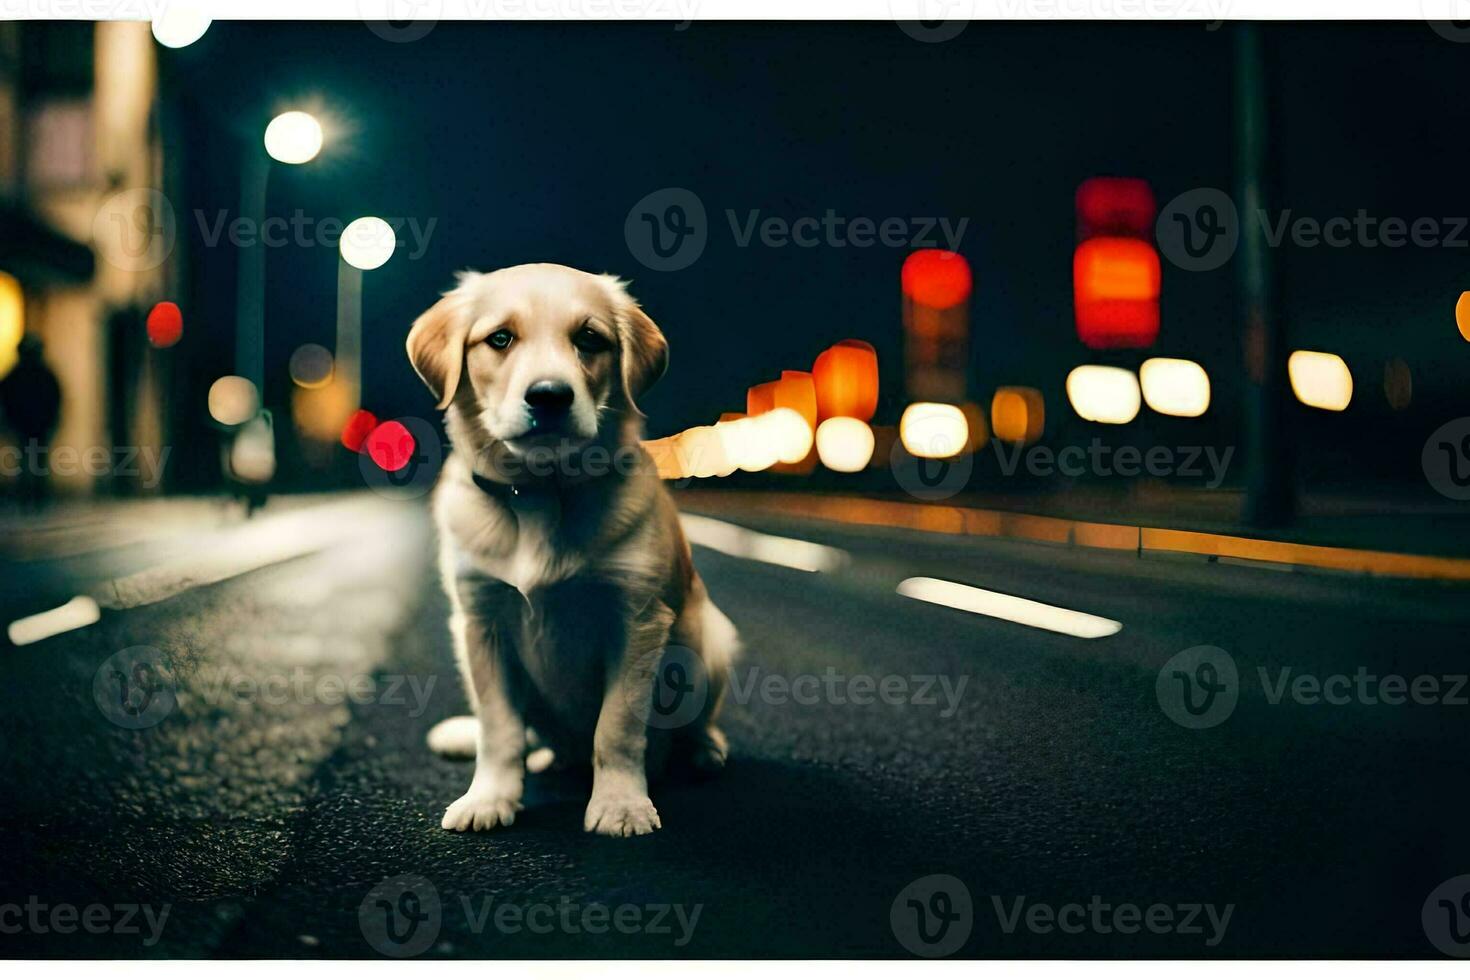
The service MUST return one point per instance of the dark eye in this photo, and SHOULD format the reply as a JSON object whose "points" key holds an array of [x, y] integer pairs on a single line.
{"points": [[501, 339], [590, 341]]}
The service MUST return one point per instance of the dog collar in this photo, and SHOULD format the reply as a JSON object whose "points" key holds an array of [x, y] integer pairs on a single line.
{"points": [[503, 492]]}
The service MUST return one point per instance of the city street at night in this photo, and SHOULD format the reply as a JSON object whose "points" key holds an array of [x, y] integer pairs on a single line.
{"points": [[1029, 765]]}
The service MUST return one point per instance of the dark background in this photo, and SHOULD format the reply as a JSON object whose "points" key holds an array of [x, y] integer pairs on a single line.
{"points": [[531, 142]]}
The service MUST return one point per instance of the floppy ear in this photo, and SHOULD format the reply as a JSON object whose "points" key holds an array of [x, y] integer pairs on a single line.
{"points": [[645, 352], [436, 346]]}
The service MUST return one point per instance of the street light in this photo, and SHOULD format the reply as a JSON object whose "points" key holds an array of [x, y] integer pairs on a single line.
{"points": [[293, 137], [180, 25], [366, 244]]}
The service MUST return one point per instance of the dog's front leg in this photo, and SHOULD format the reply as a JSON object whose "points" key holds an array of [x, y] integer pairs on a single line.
{"points": [[620, 806], [486, 627]]}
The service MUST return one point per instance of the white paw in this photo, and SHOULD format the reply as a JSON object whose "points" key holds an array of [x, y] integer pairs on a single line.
{"points": [[621, 816], [478, 810]]}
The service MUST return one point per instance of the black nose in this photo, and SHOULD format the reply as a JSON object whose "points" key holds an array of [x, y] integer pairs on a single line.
{"points": [[548, 398]]}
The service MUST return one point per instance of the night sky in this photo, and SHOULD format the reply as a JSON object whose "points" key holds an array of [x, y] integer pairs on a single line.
{"points": [[531, 142]]}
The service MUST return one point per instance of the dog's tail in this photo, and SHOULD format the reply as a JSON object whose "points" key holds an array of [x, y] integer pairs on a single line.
{"points": [[455, 738]]}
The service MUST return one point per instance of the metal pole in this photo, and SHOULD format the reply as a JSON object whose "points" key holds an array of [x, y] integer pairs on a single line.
{"points": [[250, 288], [1270, 497], [348, 356]]}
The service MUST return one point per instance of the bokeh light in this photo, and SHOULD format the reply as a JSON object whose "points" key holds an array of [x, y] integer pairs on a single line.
{"points": [[360, 424], [181, 23], [1116, 292], [1104, 394], [165, 324], [293, 137], [1320, 380], [931, 430], [936, 278], [233, 400], [844, 445], [788, 432], [845, 378], [311, 366], [12, 321], [367, 243], [1173, 386], [1115, 206], [1017, 414], [1462, 315], [1398, 384], [391, 446]]}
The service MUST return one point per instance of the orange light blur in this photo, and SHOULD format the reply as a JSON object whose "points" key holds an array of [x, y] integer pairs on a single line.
{"points": [[1462, 315], [936, 278], [1017, 414], [1116, 292], [845, 379], [760, 398]]}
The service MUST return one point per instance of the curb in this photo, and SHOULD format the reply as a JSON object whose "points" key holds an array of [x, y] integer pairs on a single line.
{"points": [[1140, 540]]}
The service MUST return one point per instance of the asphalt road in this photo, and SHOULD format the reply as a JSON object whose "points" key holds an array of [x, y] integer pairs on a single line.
{"points": [[273, 796]]}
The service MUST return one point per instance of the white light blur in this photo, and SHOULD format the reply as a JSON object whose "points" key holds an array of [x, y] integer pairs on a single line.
{"points": [[293, 137], [1320, 380], [1174, 386], [740, 542], [1011, 608], [746, 445], [787, 432], [180, 24], [253, 454], [368, 242], [1104, 394], [79, 612], [844, 445], [233, 400], [930, 430]]}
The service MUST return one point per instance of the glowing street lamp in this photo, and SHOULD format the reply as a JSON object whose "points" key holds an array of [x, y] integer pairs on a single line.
{"points": [[293, 137], [367, 243], [180, 24]]}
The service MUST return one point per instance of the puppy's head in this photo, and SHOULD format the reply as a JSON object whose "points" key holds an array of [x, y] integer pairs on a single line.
{"points": [[538, 355]]}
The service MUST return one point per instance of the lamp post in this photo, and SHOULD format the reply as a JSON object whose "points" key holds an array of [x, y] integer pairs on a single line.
{"points": [[366, 244], [293, 138]]}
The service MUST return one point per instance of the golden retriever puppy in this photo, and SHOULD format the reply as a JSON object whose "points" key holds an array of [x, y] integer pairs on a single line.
{"points": [[569, 579]]}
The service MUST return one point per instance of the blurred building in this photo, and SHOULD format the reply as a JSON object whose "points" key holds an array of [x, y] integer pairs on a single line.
{"points": [[86, 236]]}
